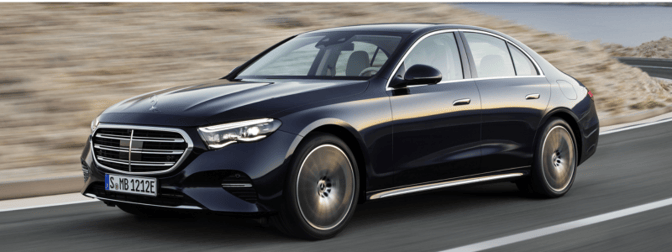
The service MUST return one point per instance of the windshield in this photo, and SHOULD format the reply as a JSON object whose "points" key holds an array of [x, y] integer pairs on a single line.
{"points": [[335, 55]]}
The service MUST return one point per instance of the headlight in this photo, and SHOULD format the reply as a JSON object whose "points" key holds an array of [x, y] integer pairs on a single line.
{"points": [[218, 136], [94, 123]]}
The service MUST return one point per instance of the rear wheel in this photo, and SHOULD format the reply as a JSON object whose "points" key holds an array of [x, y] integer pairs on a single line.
{"points": [[555, 161], [321, 190]]}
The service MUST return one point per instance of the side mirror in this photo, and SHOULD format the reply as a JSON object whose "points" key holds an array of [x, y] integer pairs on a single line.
{"points": [[418, 75], [228, 76], [235, 69]]}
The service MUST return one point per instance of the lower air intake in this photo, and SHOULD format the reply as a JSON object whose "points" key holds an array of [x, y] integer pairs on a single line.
{"points": [[86, 171], [240, 185]]}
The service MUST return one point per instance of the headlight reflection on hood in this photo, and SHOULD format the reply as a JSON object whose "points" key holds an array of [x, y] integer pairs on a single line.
{"points": [[218, 136]]}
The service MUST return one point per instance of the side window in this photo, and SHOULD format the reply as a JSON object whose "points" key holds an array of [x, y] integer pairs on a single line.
{"points": [[491, 55], [439, 51], [524, 66]]}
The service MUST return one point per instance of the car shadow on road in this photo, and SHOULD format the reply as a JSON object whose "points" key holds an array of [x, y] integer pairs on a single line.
{"points": [[213, 231]]}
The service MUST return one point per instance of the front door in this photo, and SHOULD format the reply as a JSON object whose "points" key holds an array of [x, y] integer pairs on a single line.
{"points": [[436, 127]]}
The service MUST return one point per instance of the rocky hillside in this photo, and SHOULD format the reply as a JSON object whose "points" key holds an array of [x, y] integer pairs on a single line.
{"points": [[62, 64], [661, 48]]}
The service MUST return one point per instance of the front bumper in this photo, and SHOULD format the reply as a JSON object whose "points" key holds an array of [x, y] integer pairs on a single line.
{"points": [[197, 183]]}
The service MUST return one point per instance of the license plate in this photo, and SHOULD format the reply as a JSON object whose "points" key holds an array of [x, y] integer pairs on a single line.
{"points": [[129, 184]]}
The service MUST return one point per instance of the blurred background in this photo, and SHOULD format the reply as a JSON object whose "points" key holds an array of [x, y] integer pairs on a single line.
{"points": [[62, 64]]}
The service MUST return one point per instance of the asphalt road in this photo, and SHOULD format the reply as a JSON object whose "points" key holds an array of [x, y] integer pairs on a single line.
{"points": [[630, 168], [661, 68]]}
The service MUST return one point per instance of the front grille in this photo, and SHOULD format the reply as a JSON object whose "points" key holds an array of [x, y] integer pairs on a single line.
{"points": [[165, 197], [140, 150]]}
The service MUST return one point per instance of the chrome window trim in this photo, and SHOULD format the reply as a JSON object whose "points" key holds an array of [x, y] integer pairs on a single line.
{"points": [[508, 77], [142, 204], [389, 79], [185, 136], [541, 73], [396, 68], [236, 185]]}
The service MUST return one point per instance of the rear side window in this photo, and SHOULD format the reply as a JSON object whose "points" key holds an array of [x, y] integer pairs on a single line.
{"points": [[491, 56], [522, 63]]}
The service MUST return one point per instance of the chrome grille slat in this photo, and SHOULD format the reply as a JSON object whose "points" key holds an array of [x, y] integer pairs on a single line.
{"points": [[159, 139], [130, 145], [115, 137], [147, 163], [153, 151], [110, 148], [138, 150], [140, 163], [133, 149], [113, 160], [144, 139]]}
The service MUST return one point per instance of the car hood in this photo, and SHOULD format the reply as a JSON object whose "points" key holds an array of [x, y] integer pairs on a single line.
{"points": [[223, 101]]}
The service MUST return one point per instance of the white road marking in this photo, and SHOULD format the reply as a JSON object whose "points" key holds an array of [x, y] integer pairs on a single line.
{"points": [[506, 240], [43, 201], [636, 126], [50, 205]]}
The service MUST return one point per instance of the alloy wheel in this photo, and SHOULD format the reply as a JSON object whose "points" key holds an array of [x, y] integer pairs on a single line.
{"points": [[558, 158], [325, 187]]}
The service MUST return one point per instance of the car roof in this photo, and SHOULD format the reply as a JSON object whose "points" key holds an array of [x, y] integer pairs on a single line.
{"points": [[397, 27]]}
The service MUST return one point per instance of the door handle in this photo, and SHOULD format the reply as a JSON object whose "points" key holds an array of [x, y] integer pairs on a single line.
{"points": [[532, 96], [461, 102]]}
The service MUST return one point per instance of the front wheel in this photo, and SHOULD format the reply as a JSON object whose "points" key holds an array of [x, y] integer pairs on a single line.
{"points": [[555, 161], [321, 190]]}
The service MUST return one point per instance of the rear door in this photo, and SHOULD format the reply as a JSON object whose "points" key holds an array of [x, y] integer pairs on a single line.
{"points": [[436, 127], [514, 96]]}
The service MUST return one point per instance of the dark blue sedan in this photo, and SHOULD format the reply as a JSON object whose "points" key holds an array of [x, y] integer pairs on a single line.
{"points": [[325, 120]]}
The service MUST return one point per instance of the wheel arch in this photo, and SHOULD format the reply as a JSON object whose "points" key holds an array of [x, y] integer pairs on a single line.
{"points": [[350, 136], [568, 116]]}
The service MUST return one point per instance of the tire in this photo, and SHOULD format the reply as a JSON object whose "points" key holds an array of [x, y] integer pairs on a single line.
{"points": [[150, 212], [321, 190], [555, 161]]}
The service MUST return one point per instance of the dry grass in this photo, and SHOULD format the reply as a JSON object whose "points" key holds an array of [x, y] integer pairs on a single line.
{"points": [[661, 48], [647, 105], [62, 64]]}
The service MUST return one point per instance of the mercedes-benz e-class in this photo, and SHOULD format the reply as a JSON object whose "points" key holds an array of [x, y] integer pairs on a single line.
{"points": [[325, 120]]}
